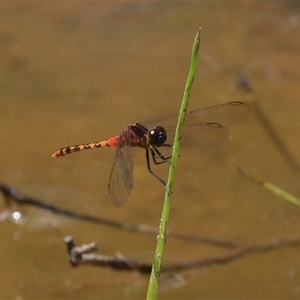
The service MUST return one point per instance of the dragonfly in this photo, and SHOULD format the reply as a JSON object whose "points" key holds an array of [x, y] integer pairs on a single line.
{"points": [[203, 130]]}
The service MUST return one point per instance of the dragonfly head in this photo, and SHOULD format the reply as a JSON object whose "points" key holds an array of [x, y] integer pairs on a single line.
{"points": [[157, 136]]}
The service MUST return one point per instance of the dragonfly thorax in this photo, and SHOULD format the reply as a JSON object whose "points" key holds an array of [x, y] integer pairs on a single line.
{"points": [[156, 136]]}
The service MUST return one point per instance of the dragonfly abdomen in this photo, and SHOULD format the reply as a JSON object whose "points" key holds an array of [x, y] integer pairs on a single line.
{"points": [[111, 142]]}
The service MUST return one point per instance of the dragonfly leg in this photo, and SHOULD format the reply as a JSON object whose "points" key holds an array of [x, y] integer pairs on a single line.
{"points": [[149, 167], [155, 153]]}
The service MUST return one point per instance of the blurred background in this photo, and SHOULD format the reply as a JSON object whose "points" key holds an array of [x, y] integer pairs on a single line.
{"points": [[81, 72]]}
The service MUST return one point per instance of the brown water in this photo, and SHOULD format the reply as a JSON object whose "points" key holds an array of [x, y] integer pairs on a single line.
{"points": [[81, 72]]}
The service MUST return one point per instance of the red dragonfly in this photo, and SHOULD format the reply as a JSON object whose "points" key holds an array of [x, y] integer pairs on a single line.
{"points": [[203, 130]]}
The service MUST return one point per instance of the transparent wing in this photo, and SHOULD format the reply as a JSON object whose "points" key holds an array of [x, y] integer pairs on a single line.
{"points": [[121, 176], [200, 132], [204, 137]]}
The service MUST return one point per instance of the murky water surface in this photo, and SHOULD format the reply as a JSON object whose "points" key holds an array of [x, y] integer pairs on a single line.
{"points": [[81, 72]]}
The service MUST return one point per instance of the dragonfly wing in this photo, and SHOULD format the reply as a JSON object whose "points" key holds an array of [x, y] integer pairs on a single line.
{"points": [[201, 138], [203, 129], [223, 114], [121, 176], [204, 137]]}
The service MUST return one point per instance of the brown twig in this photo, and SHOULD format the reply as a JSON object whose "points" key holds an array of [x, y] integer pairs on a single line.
{"points": [[236, 254], [12, 194], [81, 256]]}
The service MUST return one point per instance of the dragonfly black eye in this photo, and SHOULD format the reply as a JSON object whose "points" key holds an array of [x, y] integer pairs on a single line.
{"points": [[157, 136]]}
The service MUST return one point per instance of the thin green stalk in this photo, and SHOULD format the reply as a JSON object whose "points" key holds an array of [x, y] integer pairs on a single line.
{"points": [[271, 187], [161, 239], [282, 193]]}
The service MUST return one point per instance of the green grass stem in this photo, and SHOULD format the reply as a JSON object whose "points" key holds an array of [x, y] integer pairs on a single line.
{"points": [[270, 187], [153, 287]]}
